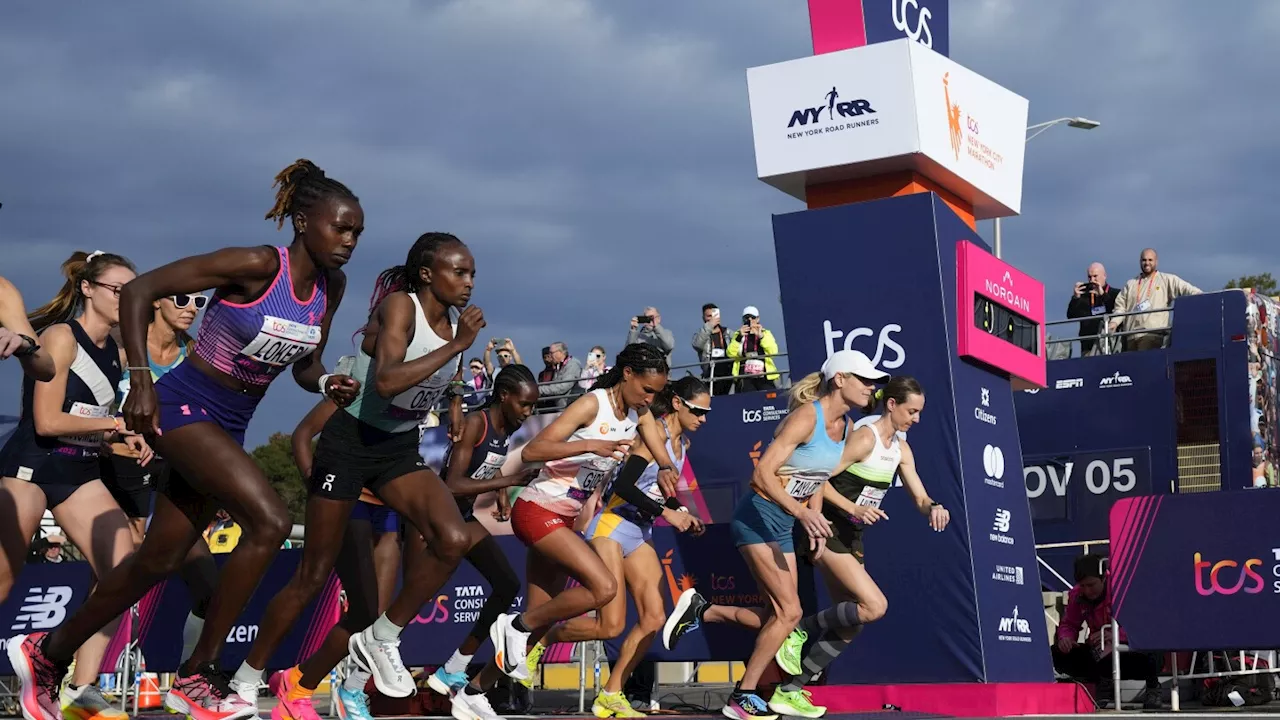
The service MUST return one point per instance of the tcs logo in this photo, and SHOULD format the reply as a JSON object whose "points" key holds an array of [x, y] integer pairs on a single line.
{"points": [[437, 611], [1221, 574], [884, 341], [913, 21]]}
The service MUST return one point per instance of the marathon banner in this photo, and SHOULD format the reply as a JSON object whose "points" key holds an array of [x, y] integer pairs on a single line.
{"points": [[964, 604], [1198, 571]]}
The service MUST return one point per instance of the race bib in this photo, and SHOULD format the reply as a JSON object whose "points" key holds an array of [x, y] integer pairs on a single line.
{"points": [[1143, 306], [281, 342], [79, 409], [870, 496], [801, 487], [753, 367], [490, 467], [417, 400], [717, 352]]}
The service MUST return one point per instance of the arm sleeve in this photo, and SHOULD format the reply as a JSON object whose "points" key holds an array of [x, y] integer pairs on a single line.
{"points": [[625, 486]]}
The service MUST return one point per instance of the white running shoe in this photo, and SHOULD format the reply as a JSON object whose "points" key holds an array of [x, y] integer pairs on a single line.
{"points": [[247, 691], [472, 707], [509, 647], [382, 660]]}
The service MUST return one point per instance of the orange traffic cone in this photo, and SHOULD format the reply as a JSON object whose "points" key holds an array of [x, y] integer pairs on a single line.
{"points": [[148, 691]]}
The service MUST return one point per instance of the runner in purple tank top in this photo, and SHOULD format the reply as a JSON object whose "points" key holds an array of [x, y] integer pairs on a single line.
{"points": [[271, 309]]}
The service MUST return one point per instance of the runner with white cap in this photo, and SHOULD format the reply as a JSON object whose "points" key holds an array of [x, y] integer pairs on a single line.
{"points": [[808, 448]]}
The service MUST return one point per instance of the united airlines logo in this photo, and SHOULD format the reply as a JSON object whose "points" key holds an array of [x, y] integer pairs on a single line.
{"points": [[43, 608]]}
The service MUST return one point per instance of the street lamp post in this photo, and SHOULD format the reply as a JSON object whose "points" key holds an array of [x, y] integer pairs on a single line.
{"points": [[1079, 123]]}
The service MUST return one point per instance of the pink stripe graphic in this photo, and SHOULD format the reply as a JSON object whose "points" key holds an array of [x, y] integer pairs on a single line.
{"points": [[836, 25], [1122, 541], [1153, 508], [328, 610], [560, 652]]}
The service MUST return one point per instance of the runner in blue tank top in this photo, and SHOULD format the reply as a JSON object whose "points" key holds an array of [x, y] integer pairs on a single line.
{"points": [[271, 310], [808, 448]]}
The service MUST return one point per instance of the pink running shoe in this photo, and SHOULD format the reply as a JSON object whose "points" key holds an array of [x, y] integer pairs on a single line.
{"points": [[40, 677], [206, 694], [299, 709]]}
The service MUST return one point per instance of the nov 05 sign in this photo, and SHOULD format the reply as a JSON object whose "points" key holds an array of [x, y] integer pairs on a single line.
{"points": [[1082, 485]]}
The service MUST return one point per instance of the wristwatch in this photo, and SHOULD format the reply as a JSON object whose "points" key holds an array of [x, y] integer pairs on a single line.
{"points": [[31, 348]]}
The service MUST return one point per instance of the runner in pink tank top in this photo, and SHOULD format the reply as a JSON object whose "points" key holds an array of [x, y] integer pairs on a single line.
{"points": [[271, 309]]}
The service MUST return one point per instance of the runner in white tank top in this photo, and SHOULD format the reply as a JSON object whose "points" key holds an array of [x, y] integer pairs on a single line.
{"points": [[579, 448]]}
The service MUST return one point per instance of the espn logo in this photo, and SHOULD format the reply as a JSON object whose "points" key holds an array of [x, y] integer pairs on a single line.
{"points": [[1068, 383]]}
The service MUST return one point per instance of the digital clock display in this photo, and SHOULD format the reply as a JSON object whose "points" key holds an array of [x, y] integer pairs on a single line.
{"points": [[999, 321]]}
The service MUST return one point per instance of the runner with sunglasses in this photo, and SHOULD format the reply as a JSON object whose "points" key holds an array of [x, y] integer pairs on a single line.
{"points": [[808, 447], [52, 462], [621, 533], [272, 309]]}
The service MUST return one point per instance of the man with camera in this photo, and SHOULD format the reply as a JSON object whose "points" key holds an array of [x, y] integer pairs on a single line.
{"points": [[647, 328], [1092, 298], [753, 348], [711, 342]]}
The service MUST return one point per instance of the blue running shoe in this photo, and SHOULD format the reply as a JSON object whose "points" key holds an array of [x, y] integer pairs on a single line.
{"points": [[446, 683], [355, 704]]}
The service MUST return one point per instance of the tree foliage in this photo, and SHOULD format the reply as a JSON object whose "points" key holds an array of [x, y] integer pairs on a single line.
{"points": [[276, 460], [1264, 284]]}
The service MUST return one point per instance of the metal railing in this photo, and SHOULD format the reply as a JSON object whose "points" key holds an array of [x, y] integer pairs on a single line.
{"points": [[1109, 342]]}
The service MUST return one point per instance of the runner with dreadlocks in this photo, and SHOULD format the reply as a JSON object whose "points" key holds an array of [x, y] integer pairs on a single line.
{"points": [[580, 449], [271, 308]]}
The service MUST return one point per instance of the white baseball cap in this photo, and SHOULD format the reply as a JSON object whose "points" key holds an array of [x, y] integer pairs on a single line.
{"points": [[751, 310], [851, 362]]}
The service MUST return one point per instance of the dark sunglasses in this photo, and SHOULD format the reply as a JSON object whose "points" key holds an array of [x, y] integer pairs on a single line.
{"points": [[181, 301]]}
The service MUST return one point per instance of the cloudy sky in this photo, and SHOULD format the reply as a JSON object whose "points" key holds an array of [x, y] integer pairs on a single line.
{"points": [[596, 156]]}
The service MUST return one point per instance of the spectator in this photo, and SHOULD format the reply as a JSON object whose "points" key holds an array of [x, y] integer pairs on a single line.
{"points": [[1087, 605], [647, 329], [711, 342], [48, 549], [480, 381], [1150, 290], [563, 372], [753, 348], [506, 352], [596, 366], [1092, 297]]}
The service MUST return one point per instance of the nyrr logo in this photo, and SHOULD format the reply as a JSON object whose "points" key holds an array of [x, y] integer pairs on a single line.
{"points": [[1220, 582], [1014, 628], [833, 107], [1116, 380], [43, 608], [884, 341]]}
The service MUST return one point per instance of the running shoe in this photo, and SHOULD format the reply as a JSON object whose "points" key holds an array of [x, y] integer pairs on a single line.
{"points": [[795, 703], [466, 706], [747, 706], [353, 704], [206, 694], [788, 656], [86, 703], [289, 709], [534, 657], [609, 705], [446, 683], [248, 691], [684, 618], [382, 659], [39, 677], [509, 647]]}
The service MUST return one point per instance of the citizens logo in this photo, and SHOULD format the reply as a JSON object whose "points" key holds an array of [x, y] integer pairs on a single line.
{"points": [[1228, 577], [982, 415], [43, 608], [1115, 381], [993, 466], [849, 114], [1014, 628], [242, 634], [1000, 527]]}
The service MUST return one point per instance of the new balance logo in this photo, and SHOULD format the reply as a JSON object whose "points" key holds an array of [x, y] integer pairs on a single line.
{"points": [[1001, 523], [43, 608]]}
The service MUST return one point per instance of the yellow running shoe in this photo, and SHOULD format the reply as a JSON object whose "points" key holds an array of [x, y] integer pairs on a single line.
{"points": [[609, 705], [531, 659]]}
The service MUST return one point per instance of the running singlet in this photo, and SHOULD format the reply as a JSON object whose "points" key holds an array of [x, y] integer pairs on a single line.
{"points": [[256, 341], [564, 485], [866, 481], [405, 411], [91, 383], [486, 461], [647, 484], [811, 463]]}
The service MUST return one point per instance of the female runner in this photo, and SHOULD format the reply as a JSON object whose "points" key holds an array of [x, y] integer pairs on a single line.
{"points": [[131, 484], [52, 460], [407, 360], [622, 535], [852, 502], [808, 447], [17, 338], [581, 448], [272, 308], [472, 467]]}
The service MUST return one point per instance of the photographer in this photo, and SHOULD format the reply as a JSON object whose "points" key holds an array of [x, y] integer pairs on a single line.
{"points": [[1092, 298], [752, 349], [647, 329]]}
